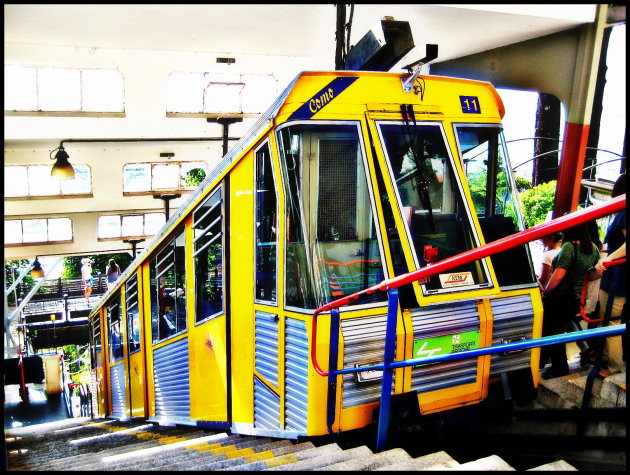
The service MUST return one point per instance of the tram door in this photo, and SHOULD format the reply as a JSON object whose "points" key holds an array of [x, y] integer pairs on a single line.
{"points": [[134, 351], [116, 363], [99, 395]]}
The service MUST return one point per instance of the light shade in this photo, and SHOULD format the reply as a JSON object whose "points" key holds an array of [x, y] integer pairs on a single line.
{"points": [[62, 170], [37, 272]]}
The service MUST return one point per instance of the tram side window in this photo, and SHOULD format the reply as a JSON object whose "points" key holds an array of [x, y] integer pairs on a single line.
{"points": [[332, 248], [431, 202], [208, 257], [133, 316], [266, 227], [96, 350], [494, 195], [115, 342], [168, 317]]}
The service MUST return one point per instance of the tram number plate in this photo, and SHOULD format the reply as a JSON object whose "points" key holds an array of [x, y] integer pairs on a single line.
{"points": [[470, 104], [441, 345], [368, 375]]}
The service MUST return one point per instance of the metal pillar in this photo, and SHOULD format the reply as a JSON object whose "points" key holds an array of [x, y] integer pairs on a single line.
{"points": [[579, 115]]}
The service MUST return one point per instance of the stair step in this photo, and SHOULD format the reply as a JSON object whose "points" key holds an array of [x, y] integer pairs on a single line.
{"points": [[568, 391], [262, 460], [558, 465], [382, 459], [323, 461], [492, 463], [435, 461], [240, 456]]}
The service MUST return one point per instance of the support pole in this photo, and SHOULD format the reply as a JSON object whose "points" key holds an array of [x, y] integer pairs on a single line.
{"points": [[388, 371]]}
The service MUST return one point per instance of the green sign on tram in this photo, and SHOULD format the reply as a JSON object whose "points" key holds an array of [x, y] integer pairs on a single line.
{"points": [[441, 345]]}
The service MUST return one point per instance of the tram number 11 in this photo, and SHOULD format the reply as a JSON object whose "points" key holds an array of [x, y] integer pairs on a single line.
{"points": [[470, 104]]}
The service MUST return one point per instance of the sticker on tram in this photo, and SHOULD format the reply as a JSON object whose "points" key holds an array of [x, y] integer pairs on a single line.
{"points": [[441, 345], [456, 279], [470, 104]]}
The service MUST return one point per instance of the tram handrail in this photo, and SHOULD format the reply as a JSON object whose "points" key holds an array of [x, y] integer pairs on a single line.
{"points": [[611, 206]]}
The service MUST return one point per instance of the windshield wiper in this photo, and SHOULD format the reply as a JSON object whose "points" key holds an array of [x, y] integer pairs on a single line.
{"points": [[421, 173]]}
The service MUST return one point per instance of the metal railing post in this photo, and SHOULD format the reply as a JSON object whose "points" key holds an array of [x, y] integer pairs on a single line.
{"points": [[332, 363], [388, 372]]}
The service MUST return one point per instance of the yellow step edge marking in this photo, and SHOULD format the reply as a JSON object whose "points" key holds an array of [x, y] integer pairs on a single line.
{"points": [[282, 460], [267, 454], [222, 450], [197, 446], [208, 447], [171, 439], [240, 453]]}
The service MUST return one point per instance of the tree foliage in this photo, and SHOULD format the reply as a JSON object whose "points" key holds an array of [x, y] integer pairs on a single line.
{"points": [[537, 202], [195, 176]]}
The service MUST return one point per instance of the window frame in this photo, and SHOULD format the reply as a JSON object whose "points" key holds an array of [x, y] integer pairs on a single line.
{"points": [[359, 125], [123, 236], [220, 190], [153, 190], [83, 88], [471, 220], [259, 149], [40, 243], [61, 194]]}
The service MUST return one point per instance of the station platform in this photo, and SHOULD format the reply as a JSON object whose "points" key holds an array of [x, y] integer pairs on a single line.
{"points": [[42, 408]]}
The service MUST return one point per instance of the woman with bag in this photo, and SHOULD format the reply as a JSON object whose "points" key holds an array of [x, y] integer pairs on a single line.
{"points": [[561, 294]]}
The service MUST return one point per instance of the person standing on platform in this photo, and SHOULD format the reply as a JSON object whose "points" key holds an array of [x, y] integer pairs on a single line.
{"points": [[112, 271], [561, 294], [86, 275], [613, 284]]}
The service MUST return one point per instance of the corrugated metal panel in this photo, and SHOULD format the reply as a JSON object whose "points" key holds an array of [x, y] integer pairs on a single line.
{"points": [[437, 320], [513, 319], [267, 346], [117, 379], [172, 384], [364, 344], [296, 376], [266, 407]]}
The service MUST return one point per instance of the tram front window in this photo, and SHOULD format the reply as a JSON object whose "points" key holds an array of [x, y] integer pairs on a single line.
{"points": [[494, 195], [430, 199], [331, 245]]}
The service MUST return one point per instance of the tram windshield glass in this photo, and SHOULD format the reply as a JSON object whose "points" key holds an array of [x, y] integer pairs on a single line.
{"points": [[332, 248], [493, 191], [430, 199]]}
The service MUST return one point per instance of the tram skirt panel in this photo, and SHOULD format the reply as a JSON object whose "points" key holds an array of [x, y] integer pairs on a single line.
{"points": [[296, 377], [172, 383], [513, 320], [119, 400]]}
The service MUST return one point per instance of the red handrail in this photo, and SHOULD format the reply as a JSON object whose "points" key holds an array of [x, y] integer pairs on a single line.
{"points": [[585, 290], [611, 206]]}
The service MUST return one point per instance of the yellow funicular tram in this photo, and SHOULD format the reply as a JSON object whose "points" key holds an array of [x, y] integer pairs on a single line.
{"points": [[350, 178]]}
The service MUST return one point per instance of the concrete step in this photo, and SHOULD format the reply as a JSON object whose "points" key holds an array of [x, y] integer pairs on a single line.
{"points": [[291, 458], [322, 461], [435, 461], [373, 462], [492, 463], [261, 460], [557, 466], [568, 391]]}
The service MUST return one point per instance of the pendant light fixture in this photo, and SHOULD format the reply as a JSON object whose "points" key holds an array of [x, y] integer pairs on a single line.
{"points": [[62, 170], [37, 272]]}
